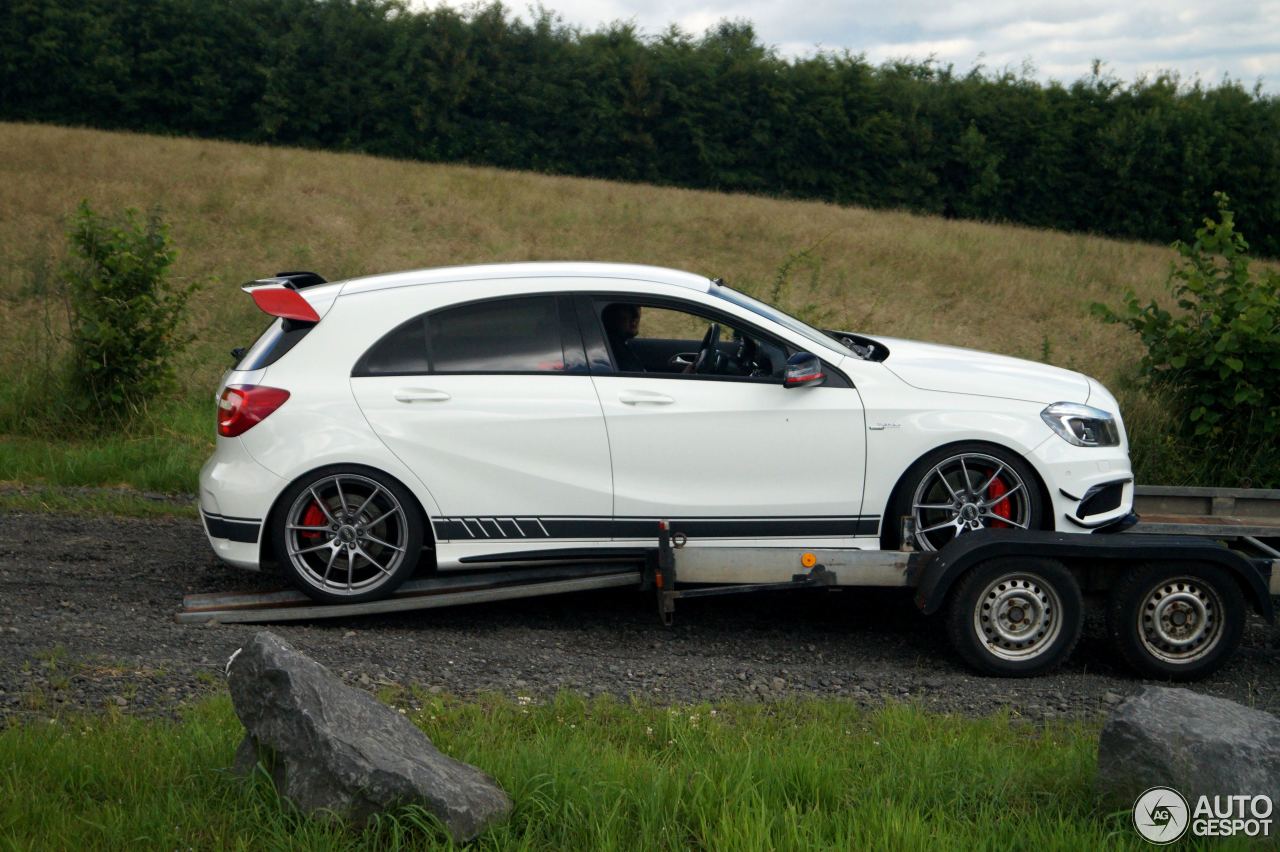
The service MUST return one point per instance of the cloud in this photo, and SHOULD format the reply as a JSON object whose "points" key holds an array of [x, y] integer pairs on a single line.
{"points": [[1235, 38]]}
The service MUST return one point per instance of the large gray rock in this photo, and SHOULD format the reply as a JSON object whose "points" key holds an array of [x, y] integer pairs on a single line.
{"points": [[1196, 744], [331, 747]]}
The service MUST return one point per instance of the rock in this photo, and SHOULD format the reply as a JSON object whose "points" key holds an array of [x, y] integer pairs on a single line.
{"points": [[333, 748], [1110, 697], [246, 759], [1196, 744]]}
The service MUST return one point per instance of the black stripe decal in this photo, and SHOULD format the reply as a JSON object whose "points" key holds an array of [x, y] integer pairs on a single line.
{"points": [[232, 529], [559, 554], [489, 528]]}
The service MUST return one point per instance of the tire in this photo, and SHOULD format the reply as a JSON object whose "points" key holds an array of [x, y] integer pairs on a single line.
{"points": [[1041, 616], [933, 494], [346, 534], [1176, 622]]}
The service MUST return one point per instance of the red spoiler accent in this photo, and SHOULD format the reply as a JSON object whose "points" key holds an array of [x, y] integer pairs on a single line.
{"points": [[283, 302]]}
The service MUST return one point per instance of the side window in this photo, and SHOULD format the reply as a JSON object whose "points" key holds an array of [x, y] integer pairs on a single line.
{"points": [[519, 335], [658, 338], [402, 352], [503, 336]]}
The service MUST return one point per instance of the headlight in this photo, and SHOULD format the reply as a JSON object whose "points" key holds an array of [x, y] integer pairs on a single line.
{"points": [[1082, 425]]}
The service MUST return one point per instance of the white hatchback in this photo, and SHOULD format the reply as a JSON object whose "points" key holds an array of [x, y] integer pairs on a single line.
{"points": [[505, 415]]}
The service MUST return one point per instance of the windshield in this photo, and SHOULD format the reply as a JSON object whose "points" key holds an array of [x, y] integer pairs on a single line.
{"points": [[742, 300]]}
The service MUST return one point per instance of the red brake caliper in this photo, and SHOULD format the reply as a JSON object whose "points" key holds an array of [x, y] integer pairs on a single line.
{"points": [[1003, 509], [313, 517]]}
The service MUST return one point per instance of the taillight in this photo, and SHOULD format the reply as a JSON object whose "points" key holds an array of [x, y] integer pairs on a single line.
{"points": [[243, 406]]}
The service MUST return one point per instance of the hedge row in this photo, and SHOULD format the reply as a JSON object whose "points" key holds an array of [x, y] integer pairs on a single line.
{"points": [[718, 111]]}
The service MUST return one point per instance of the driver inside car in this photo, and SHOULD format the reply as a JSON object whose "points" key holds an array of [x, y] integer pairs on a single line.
{"points": [[622, 324]]}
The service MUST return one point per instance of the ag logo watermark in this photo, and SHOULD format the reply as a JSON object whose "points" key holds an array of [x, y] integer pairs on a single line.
{"points": [[1162, 815]]}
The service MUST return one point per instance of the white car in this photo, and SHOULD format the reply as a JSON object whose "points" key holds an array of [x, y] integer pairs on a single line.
{"points": [[506, 415]]}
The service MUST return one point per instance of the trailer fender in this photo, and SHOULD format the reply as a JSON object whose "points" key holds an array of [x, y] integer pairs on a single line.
{"points": [[941, 570]]}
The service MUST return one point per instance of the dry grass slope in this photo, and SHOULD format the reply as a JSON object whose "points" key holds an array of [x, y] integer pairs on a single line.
{"points": [[239, 211]]}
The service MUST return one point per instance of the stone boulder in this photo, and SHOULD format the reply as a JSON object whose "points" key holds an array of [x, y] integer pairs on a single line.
{"points": [[332, 747], [1196, 744]]}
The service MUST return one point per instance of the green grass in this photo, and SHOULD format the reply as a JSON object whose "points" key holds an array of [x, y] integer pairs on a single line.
{"points": [[592, 775], [120, 503], [162, 451]]}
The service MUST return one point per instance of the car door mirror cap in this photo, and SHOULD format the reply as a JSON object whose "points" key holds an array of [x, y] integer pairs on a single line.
{"points": [[804, 369]]}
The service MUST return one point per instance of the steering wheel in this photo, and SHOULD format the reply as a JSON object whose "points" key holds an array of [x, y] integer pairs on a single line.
{"points": [[709, 357]]}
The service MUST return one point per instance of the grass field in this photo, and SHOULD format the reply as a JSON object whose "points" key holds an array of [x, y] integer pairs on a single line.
{"points": [[238, 212], [593, 775]]}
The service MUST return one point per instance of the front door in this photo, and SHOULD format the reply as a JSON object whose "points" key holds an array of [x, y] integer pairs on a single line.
{"points": [[728, 455]]}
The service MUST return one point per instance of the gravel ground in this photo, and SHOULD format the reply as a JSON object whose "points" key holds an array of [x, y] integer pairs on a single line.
{"points": [[86, 622]]}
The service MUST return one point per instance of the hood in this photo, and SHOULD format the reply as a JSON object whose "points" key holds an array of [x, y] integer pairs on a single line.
{"points": [[929, 366]]}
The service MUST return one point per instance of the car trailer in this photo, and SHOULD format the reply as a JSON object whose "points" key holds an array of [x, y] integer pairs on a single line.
{"points": [[1176, 587]]}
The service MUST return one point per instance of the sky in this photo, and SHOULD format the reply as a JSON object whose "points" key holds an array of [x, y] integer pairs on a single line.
{"points": [[1054, 40]]}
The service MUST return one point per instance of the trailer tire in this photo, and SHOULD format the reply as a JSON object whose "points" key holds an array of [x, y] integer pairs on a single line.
{"points": [[1015, 616], [1176, 622]]}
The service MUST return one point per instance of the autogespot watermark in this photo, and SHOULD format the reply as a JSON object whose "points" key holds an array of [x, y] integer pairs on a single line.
{"points": [[1163, 815]]}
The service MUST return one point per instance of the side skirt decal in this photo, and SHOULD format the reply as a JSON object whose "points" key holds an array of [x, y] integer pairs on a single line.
{"points": [[603, 528]]}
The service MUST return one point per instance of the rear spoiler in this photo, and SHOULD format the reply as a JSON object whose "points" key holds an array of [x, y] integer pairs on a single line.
{"points": [[279, 296]]}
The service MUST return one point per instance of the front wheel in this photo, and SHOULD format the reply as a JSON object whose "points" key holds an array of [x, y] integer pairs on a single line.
{"points": [[347, 535], [1179, 622], [961, 489], [1016, 617]]}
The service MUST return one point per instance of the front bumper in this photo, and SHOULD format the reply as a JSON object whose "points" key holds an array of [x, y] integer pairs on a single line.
{"points": [[1090, 488]]}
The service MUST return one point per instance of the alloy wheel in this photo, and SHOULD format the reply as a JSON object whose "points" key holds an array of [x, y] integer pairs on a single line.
{"points": [[346, 534], [968, 492]]}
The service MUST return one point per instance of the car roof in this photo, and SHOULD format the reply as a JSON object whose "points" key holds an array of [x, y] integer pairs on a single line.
{"points": [[496, 271]]}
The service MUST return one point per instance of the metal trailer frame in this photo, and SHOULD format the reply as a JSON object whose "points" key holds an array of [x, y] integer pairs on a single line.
{"points": [[1190, 527], [715, 571]]}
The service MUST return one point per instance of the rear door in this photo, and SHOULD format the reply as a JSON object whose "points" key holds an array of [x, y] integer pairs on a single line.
{"points": [[492, 405]]}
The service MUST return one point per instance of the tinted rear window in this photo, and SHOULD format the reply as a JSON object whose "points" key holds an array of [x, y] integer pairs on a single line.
{"points": [[505, 336], [402, 352], [281, 336], [520, 335]]}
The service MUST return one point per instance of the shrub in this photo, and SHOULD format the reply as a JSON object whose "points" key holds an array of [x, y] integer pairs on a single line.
{"points": [[1216, 358], [126, 319]]}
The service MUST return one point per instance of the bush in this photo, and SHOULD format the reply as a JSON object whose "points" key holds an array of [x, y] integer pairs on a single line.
{"points": [[1215, 360], [126, 320]]}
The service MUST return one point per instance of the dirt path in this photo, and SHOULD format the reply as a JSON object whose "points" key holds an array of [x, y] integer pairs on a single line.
{"points": [[86, 621]]}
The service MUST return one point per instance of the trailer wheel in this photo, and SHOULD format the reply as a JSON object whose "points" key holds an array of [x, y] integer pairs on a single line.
{"points": [[1179, 622], [1016, 617]]}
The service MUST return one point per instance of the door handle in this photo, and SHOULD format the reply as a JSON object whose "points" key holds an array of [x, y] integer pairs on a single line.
{"points": [[420, 395], [644, 398]]}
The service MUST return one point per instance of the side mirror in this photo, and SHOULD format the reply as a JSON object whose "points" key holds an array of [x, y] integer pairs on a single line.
{"points": [[803, 369]]}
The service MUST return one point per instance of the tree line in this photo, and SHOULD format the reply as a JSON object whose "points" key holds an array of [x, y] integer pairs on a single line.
{"points": [[719, 111]]}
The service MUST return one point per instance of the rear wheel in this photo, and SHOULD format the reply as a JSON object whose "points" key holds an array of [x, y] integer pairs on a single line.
{"points": [[347, 535], [1179, 622], [1016, 617]]}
